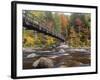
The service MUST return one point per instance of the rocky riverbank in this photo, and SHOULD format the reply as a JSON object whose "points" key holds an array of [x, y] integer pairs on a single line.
{"points": [[33, 59]]}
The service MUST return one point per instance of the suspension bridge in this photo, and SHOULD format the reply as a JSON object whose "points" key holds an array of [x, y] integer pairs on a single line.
{"points": [[29, 22]]}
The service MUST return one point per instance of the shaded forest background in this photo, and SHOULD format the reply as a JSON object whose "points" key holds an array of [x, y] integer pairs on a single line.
{"points": [[74, 27]]}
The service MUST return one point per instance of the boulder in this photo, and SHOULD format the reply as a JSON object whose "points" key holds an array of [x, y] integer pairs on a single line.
{"points": [[43, 62]]}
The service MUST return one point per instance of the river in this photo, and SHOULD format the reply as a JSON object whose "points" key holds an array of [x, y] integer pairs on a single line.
{"points": [[72, 57]]}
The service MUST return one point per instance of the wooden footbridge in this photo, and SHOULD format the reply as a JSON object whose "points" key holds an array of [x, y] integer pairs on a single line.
{"points": [[31, 24]]}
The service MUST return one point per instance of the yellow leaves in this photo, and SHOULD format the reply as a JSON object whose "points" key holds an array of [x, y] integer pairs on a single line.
{"points": [[78, 39], [49, 41], [29, 41], [38, 15]]}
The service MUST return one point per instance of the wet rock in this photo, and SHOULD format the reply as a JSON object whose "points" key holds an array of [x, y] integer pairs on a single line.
{"points": [[28, 50], [31, 55], [43, 63], [63, 46], [61, 50], [55, 56], [66, 54]]}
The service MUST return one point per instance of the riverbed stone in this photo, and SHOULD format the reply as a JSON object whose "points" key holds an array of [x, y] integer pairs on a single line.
{"points": [[43, 62]]}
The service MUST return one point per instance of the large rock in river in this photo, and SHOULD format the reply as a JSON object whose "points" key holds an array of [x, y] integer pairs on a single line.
{"points": [[43, 62]]}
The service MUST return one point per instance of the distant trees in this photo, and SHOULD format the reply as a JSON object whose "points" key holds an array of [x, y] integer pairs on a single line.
{"points": [[57, 23], [80, 23], [64, 25], [49, 20]]}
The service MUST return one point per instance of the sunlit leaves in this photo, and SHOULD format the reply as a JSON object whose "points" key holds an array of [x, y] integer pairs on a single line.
{"points": [[49, 41], [28, 40]]}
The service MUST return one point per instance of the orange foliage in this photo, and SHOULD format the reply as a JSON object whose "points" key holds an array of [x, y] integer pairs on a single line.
{"points": [[64, 20]]}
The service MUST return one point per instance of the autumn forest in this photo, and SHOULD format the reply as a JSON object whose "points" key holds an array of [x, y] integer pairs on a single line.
{"points": [[73, 27]]}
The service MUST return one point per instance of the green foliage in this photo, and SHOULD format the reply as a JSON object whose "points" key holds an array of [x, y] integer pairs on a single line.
{"points": [[57, 25]]}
